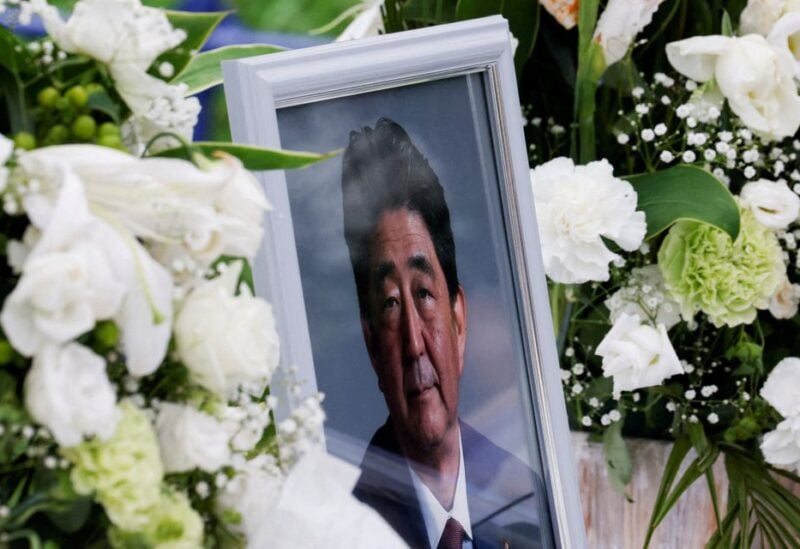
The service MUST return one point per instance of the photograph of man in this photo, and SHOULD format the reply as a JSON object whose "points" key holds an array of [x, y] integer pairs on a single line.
{"points": [[434, 479]]}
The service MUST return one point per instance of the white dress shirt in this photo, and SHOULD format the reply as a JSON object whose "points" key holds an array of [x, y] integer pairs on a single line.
{"points": [[432, 511]]}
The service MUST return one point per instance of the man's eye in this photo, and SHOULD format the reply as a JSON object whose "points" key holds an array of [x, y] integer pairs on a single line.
{"points": [[423, 293], [390, 302]]}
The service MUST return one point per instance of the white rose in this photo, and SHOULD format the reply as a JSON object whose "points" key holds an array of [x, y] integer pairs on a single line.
{"points": [[619, 24], [190, 439], [773, 203], [769, 18], [646, 295], [67, 391], [782, 387], [226, 339], [781, 447], [576, 206], [637, 355], [784, 303], [753, 75], [109, 262], [68, 280]]}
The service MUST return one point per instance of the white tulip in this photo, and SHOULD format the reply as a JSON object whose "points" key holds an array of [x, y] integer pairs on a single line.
{"points": [[784, 303], [68, 392], [773, 203], [782, 387], [619, 24], [637, 355], [576, 206], [753, 75], [225, 339], [190, 439], [781, 447]]}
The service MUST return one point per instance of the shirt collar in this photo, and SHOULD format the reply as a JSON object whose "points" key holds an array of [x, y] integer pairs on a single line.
{"points": [[432, 511]]}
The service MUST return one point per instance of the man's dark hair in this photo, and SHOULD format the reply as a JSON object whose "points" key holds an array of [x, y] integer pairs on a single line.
{"points": [[383, 171]]}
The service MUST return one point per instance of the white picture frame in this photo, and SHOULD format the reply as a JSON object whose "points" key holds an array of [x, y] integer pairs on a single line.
{"points": [[259, 89]]}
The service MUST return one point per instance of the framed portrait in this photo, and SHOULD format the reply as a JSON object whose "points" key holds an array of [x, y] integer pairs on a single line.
{"points": [[407, 280]]}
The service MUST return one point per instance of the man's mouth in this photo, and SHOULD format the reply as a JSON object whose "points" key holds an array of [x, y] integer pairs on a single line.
{"points": [[420, 379]]}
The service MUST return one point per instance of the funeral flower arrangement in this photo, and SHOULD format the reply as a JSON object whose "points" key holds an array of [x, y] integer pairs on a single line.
{"points": [[666, 189], [135, 360]]}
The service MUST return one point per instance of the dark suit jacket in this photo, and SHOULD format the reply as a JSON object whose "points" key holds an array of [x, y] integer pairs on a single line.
{"points": [[506, 499]]}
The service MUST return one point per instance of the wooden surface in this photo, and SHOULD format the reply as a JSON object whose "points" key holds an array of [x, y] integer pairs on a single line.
{"points": [[614, 523]]}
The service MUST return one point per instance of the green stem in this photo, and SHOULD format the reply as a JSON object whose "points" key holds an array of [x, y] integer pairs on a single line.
{"points": [[591, 65]]}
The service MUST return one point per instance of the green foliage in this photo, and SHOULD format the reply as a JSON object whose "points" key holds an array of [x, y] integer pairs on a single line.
{"points": [[253, 158], [198, 28], [291, 16], [685, 193], [204, 71], [618, 459]]}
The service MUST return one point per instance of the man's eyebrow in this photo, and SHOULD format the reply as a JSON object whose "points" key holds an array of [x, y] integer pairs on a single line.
{"points": [[384, 269], [420, 262]]}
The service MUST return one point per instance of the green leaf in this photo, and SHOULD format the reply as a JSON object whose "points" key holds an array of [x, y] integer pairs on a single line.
{"points": [[100, 101], [727, 26], [198, 27], [685, 193], [523, 21], [617, 457], [473, 9], [204, 70], [254, 158]]}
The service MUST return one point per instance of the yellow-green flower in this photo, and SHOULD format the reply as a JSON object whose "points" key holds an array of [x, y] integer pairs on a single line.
{"points": [[124, 472], [727, 280], [174, 524]]}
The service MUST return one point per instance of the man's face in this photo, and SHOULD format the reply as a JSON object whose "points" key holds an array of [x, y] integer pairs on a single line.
{"points": [[414, 335]]}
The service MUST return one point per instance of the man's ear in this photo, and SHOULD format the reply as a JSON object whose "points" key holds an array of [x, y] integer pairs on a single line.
{"points": [[460, 324], [366, 331]]}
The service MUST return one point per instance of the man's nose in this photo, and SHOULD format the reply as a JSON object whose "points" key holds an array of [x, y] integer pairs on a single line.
{"points": [[413, 342]]}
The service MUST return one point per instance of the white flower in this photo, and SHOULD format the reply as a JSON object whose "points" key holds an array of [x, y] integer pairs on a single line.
{"points": [[576, 207], [253, 493], [68, 279], [782, 387], [190, 439], [637, 355], [753, 75], [179, 209], [775, 19], [226, 339], [368, 20], [781, 447], [784, 302], [773, 203], [68, 392], [564, 11], [645, 295], [619, 24], [128, 37], [59, 208], [316, 505]]}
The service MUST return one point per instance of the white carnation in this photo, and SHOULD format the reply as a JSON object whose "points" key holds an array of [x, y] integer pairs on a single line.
{"points": [[773, 203], [225, 339], [782, 387], [67, 391], [637, 355], [190, 439], [576, 207], [781, 447]]}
